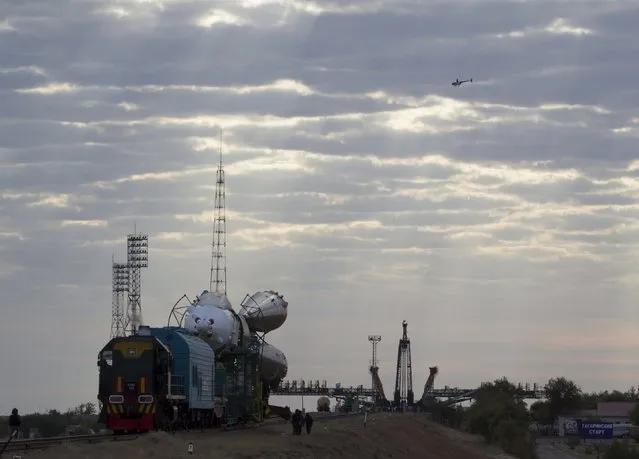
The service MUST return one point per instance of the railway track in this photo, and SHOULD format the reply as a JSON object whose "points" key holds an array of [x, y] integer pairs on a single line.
{"points": [[43, 443]]}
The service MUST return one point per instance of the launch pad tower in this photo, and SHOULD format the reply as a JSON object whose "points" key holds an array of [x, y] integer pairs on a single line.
{"points": [[404, 396], [374, 367]]}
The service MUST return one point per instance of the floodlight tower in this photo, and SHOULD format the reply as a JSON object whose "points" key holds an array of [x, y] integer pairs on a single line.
{"points": [[217, 281], [137, 258], [120, 286], [374, 340]]}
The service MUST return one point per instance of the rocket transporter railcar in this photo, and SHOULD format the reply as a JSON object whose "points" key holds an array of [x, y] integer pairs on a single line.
{"points": [[163, 375]]}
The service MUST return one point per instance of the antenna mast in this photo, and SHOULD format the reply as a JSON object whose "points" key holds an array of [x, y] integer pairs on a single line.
{"points": [[217, 282]]}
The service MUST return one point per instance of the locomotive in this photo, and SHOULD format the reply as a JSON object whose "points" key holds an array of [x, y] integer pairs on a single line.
{"points": [[164, 377]]}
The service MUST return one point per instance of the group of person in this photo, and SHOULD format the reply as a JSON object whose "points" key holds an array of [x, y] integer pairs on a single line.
{"points": [[299, 420]]}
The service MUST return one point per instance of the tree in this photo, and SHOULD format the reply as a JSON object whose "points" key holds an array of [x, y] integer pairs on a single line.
{"points": [[562, 395], [501, 417], [540, 412], [634, 415], [83, 409]]}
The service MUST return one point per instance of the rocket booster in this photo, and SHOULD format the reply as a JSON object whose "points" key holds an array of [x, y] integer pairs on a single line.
{"points": [[264, 311], [213, 319]]}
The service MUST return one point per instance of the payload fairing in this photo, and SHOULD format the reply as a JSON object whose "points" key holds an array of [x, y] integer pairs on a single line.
{"points": [[212, 318]]}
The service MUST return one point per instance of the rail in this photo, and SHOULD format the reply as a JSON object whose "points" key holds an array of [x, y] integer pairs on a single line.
{"points": [[41, 443]]}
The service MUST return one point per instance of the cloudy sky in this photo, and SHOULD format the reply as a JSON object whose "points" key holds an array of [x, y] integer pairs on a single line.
{"points": [[499, 218]]}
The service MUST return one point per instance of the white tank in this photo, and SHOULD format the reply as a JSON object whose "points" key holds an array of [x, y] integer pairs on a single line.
{"points": [[264, 311], [323, 404]]}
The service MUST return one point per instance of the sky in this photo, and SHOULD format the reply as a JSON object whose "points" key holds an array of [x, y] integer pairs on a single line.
{"points": [[499, 219]]}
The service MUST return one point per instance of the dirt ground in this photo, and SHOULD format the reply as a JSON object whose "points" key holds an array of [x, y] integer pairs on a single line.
{"points": [[386, 435]]}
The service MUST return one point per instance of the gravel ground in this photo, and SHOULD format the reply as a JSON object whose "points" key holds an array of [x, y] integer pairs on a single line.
{"points": [[397, 435]]}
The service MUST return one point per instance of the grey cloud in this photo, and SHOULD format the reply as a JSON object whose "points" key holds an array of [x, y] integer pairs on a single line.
{"points": [[471, 213], [563, 191], [417, 218], [101, 105], [512, 234], [617, 18], [566, 145], [604, 200], [11, 78], [588, 222], [628, 238], [284, 182]]}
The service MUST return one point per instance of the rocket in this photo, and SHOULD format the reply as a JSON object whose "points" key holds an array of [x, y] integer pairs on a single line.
{"points": [[212, 318]]}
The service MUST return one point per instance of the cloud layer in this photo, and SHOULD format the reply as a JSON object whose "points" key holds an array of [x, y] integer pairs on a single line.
{"points": [[499, 218]]}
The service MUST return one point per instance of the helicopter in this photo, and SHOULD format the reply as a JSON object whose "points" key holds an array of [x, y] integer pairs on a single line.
{"points": [[458, 83]]}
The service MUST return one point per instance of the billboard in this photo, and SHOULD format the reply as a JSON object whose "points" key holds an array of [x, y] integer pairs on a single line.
{"points": [[596, 430]]}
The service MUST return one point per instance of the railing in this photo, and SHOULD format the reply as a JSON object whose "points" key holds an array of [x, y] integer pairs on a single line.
{"points": [[303, 385], [301, 388]]}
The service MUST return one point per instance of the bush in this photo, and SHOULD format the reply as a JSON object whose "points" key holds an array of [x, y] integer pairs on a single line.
{"points": [[54, 423], [621, 449], [573, 441]]}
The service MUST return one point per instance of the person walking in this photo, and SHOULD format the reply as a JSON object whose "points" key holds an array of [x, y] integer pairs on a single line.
{"points": [[309, 423], [14, 423], [295, 421]]}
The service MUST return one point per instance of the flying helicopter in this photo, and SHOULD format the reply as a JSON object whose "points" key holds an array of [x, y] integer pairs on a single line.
{"points": [[458, 83]]}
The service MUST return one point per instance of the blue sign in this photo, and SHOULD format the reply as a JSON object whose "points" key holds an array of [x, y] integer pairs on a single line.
{"points": [[595, 430]]}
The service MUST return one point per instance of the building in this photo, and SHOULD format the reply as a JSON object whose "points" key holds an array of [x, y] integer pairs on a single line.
{"points": [[615, 412]]}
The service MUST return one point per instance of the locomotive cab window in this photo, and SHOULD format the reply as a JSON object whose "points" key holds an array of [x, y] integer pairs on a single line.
{"points": [[105, 359]]}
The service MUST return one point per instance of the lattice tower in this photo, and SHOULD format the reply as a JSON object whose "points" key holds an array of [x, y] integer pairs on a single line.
{"points": [[217, 282], [137, 258], [120, 287]]}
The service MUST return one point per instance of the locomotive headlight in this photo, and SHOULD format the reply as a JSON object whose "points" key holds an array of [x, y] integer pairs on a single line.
{"points": [[116, 399], [145, 399]]}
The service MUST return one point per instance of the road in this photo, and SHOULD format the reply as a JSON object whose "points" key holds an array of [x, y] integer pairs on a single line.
{"points": [[547, 450]]}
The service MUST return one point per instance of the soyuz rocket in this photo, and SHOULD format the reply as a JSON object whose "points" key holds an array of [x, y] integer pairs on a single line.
{"points": [[212, 318]]}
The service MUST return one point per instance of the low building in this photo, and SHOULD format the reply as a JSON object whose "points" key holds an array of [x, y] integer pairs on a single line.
{"points": [[615, 412]]}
